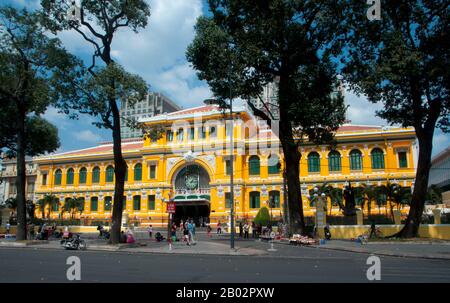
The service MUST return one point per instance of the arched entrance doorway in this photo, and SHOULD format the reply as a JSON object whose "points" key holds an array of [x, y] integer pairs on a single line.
{"points": [[192, 194]]}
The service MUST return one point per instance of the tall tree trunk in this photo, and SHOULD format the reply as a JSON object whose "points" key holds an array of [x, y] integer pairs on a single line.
{"points": [[291, 160], [119, 172], [411, 228], [21, 233]]}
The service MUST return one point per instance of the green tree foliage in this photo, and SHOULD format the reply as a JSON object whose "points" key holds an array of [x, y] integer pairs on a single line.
{"points": [[402, 61], [31, 63], [246, 44], [48, 201], [263, 216], [73, 206], [105, 85], [434, 195]]}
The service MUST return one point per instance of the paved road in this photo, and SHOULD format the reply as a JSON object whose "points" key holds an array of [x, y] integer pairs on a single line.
{"points": [[304, 265]]}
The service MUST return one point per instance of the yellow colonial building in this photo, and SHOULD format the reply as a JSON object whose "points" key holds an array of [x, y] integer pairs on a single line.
{"points": [[190, 162]]}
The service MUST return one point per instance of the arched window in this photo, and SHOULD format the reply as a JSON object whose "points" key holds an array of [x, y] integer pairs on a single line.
{"points": [[355, 160], [55, 204], [108, 203], [254, 199], [82, 175], [377, 159], [138, 172], [69, 176], [96, 175], [151, 202], [137, 202], [274, 198], [253, 165], [313, 162], [94, 204], [334, 161], [58, 175], [212, 132], [110, 174], [274, 164], [180, 134]]}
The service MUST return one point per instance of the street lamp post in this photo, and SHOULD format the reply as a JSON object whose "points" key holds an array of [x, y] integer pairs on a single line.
{"points": [[231, 175]]}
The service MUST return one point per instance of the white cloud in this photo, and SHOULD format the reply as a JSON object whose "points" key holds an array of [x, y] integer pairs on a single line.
{"points": [[56, 118], [361, 111], [157, 53], [87, 136]]}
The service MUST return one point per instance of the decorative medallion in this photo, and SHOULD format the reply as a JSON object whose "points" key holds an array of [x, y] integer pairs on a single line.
{"points": [[189, 156]]}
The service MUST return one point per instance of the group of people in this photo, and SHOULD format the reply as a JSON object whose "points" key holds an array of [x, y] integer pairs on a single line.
{"points": [[127, 237], [187, 229]]}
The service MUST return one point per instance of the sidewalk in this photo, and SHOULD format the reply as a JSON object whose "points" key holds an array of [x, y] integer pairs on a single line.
{"points": [[142, 246]]}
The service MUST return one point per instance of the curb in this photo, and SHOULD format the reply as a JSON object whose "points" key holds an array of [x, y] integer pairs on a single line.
{"points": [[381, 253], [22, 243], [130, 248], [387, 253]]}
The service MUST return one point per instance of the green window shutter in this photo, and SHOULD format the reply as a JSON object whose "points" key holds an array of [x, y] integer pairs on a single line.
{"points": [[212, 132], [274, 196], [151, 202], [274, 164], [169, 135], [313, 162], [56, 205], [44, 179], [82, 176], [96, 175], [108, 203], [137, 202], [138, 172], [227, 200], [254, 166], [191, 133], [334, 161], [377, 159], [254, 199], [58, 175], [152, 171], [180, 134], [355, 160], [70, 176], [110, 174], [94, 204], [202, 132], [402, 160], [228, 167]]}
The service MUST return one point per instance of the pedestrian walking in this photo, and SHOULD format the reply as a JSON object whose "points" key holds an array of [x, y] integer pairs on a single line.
{"points": [[191, 231], [8, 228], [254, 230], [208, 230], [246, 227], [186, 236], [219, 228], [150, 231], [240, 229]]}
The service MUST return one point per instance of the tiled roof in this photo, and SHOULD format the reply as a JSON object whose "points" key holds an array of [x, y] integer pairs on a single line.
{"points": [[105, 148], [200, 109], [352, 128]]}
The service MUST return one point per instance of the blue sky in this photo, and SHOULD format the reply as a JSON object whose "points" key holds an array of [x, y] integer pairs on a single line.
{"points": [[157, 53]]}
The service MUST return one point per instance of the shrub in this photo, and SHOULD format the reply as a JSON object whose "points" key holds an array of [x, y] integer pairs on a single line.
{"points": [[263, 216]]}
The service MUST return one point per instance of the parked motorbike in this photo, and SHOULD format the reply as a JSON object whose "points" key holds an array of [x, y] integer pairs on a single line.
{"points": [[74, 243], [103, 233]]}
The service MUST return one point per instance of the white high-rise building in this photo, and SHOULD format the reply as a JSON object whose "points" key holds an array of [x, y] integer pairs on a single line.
{"points": [[154, 104]]}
